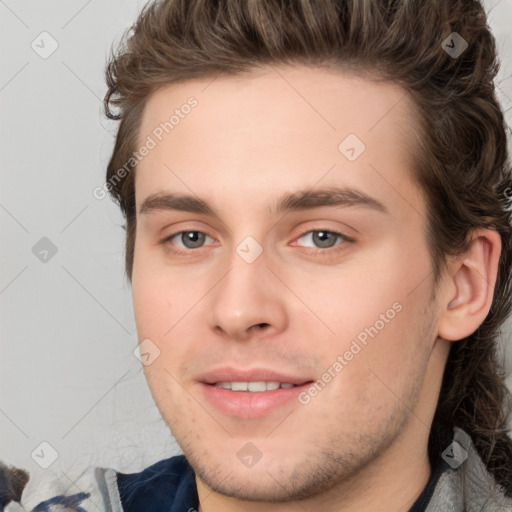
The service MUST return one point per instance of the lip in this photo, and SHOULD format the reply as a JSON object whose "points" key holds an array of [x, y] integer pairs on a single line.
{"points": [[251, 375], [247, 404]]}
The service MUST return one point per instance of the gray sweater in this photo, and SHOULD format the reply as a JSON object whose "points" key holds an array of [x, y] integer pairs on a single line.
{"points": [[466, 486]]}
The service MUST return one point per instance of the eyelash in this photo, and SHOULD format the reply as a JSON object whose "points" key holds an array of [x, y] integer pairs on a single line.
{"points": [[167, 241]]}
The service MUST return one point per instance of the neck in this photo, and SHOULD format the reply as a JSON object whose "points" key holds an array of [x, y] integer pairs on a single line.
{"points": [[390, 483]]}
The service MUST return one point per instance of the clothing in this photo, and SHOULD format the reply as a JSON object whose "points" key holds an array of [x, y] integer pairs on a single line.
{"points": [[459, 483]]}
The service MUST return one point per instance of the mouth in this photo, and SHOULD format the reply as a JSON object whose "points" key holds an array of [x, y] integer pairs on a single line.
{"points": [[255, 386], [252, 393]]}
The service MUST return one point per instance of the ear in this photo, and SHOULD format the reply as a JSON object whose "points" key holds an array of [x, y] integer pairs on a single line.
{"points": [[468, 290]]}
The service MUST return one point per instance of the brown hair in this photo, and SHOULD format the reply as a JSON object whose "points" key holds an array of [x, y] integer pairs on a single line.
{"points": [[460, 148]]}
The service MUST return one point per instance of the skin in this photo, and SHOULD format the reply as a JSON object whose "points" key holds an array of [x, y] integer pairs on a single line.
{"points": [[361, 442]]}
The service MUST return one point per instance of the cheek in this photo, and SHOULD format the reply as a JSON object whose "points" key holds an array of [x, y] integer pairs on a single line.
{"points": [[377, 288], [378, 310], [149, 301], [159, 297], [163, 308]]}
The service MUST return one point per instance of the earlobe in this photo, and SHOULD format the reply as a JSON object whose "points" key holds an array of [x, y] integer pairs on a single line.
{"points": [[468, 290]]}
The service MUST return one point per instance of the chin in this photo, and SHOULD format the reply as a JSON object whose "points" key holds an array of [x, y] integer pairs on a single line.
{"points": [[275, 481]]}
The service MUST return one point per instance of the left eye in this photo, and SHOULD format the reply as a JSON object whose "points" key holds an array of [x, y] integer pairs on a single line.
{"points": [[325, 239]]}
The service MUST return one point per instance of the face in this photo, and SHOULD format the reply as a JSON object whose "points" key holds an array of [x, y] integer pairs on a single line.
{"points": [[287, 300]]}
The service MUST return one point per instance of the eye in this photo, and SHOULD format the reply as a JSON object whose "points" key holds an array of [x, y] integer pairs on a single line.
{"points": [[189, 239], [325, 239]]}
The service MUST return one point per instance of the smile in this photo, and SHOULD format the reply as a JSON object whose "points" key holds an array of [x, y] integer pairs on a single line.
{"points": [[254, 387]]}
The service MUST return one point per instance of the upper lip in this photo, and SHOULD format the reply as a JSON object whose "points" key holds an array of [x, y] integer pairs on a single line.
{"points": [[229, 374]]}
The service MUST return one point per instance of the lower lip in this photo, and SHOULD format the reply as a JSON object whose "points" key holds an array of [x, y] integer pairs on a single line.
{"points": [[248, 404]]}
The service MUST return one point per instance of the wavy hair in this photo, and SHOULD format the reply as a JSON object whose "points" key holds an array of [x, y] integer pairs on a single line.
{"points": [[460, 151]]}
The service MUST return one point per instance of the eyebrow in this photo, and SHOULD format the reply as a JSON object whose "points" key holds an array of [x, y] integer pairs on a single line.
{"points": [[294, 201]]}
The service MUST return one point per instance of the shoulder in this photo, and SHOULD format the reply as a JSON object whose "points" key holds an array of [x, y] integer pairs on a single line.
{"points": [[165, 485], [92, 489], [169, 482], [466, 485]]}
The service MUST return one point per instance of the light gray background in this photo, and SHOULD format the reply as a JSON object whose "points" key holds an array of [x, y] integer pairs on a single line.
{"points": [[68, 375]]}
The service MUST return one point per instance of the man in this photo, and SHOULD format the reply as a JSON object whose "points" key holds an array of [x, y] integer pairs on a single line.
{"points": [[319, 247]]}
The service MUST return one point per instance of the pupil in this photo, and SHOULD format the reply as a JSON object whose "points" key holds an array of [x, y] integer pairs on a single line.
{"points": [[195, 237], [324, 242]]}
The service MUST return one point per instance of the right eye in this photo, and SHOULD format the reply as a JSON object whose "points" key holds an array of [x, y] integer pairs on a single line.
{"points": [[190, 240]]}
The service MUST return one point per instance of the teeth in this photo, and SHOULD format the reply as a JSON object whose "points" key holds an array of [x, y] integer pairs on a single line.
{"points": [[239, 386], [255, 387]]}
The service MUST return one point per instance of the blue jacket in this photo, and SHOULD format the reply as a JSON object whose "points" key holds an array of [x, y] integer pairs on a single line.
{"points": [[460, 483]]}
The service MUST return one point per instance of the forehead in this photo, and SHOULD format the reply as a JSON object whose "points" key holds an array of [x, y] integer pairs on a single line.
{"points": [[273, 126]]}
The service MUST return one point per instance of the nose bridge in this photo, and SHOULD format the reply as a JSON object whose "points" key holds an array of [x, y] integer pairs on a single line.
{"points": [[247, 295]]}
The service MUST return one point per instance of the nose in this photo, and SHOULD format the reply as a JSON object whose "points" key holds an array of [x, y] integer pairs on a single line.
{"points": [[248, 301]]}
